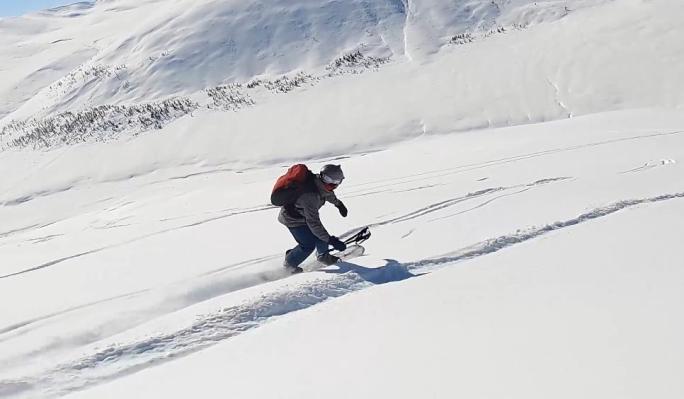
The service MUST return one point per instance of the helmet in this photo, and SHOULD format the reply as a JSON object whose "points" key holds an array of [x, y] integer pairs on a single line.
{"points": [[331, 176]]}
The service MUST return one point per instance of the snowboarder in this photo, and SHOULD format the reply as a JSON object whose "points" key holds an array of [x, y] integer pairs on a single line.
{"points": [[304, 223]]}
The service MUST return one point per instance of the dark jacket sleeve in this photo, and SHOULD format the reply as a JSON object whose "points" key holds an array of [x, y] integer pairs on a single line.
{"points": [[308, 205], [332, 198]]}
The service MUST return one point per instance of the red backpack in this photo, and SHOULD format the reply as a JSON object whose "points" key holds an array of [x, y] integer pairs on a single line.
{"points": [[288, 187]]}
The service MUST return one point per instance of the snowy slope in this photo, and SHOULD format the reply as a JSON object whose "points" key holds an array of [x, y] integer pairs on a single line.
{"points": [[85, 57], [181, 47], [523, 323], [518, 77], [523, 185], [177, 253]]}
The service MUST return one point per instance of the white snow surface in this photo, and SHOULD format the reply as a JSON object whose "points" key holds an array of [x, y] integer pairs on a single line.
{"points": [[523, 182], [183, 46]]}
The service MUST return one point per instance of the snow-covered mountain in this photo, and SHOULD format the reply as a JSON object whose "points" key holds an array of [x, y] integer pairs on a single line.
{"points": [[85, 73], [119, 51], [519, 164]]}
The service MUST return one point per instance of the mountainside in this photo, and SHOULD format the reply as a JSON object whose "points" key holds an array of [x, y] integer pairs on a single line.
{"points": [[90, 54], [519, 164], [86, 59], [590, 60]]}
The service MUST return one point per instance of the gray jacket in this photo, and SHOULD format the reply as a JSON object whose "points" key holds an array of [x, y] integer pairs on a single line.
{"points": [[308, 205]]}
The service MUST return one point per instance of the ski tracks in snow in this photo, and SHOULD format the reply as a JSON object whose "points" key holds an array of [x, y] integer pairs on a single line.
{"points": [[381, 186], [127, 357], [441, 205], [54, 262], [651, 165]]}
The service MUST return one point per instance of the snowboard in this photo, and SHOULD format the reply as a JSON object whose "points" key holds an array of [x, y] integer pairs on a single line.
{"points": [[352, 251]]}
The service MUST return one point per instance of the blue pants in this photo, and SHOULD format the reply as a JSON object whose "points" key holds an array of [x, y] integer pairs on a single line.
{"points": [[307, 243]]}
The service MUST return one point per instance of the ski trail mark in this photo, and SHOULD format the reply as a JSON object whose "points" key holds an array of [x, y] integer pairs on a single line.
{"points": [[132, 240], [361, 189], [499, 243], [651, 165], [483, 204], [438, 206], [121, 359]]}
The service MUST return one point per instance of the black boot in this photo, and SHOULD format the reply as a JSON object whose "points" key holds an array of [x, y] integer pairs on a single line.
{"points": [[327, 259], [290, 268]]}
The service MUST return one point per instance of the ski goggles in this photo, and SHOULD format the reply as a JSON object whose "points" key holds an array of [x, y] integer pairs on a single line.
{"points": [[329, 180], [330, 183]]}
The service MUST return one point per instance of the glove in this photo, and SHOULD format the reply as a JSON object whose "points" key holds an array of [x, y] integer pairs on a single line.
{"points": [[342, 209], [337, 244]]}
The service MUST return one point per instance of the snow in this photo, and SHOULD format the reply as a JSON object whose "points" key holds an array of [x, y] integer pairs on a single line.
{"points": [[524, 192], [521, 323], [169, 280]]}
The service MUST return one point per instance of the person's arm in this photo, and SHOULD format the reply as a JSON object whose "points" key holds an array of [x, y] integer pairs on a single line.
{"points": [[332, 198], [309, 209]]}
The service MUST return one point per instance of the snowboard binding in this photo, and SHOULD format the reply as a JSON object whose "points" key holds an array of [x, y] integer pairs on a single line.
{"points": [[354, 247], [362, 236]]}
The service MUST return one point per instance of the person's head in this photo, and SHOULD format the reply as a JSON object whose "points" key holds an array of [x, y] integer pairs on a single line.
{"points": [[331, 176]]}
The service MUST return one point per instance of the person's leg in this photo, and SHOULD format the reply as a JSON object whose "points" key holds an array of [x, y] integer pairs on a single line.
{"points": [[306, 241], [322, 247], [323, 253]]}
